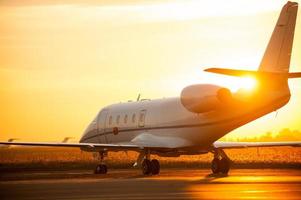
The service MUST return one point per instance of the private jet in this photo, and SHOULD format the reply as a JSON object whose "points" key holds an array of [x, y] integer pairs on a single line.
{"points": [[193, 122]]}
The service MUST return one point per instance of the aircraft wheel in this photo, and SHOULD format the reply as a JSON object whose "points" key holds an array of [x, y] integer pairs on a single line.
{"points": [[104, 169], [146, 167], [215, 165], [224, 165], [97, 169], [101, 169], [155, 167]]}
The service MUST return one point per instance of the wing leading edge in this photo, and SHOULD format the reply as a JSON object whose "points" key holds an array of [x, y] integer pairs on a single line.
{"points": [[87, 146], [142, 141], [137, 147]]}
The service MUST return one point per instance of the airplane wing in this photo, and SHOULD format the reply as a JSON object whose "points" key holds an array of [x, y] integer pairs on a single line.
{"points": [[236, 145], [141, 141], [89, 146]]}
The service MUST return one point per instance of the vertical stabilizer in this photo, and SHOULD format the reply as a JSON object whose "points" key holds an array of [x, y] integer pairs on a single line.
{"points": [[278, 52]]}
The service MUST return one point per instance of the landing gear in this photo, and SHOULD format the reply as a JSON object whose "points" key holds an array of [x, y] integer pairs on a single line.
{"points": [[224, 166], [146, 167], [102, 167], [149, 167], [220, 163], [215, 166], [155, 167]]}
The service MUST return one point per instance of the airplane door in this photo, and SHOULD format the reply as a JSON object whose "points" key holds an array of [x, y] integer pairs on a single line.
{"points": [[102, 119], [141, 119]]}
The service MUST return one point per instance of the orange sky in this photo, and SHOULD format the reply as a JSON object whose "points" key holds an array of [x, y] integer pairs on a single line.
{"points": [[61, 62]]}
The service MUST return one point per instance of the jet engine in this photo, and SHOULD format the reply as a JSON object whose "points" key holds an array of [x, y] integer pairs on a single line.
{"points": [[202, 98]]}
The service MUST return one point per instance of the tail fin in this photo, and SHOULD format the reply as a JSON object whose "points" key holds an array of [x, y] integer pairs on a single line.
{"points": [[278, 52], [276, 59]]}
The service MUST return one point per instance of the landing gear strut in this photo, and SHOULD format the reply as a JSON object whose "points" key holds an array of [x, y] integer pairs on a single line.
{"points": [[221, 162], [148, 166], [102, 167]]}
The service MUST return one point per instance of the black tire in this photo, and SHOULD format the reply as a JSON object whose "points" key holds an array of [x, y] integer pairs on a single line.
{"points": [[97, 169], [146, 167], [155, 167], [104, 169], [215, 166], [101, 169], [224, 165]]}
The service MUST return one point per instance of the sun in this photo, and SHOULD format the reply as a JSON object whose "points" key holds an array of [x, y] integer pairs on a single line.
{"points": [[248, 82], [234, 83]]}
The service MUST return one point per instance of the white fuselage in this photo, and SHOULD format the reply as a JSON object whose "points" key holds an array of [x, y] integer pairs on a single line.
{"points": [[167, 119]]}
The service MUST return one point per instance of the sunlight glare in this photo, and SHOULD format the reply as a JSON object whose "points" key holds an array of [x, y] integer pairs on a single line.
{"points": [[248, 82]]}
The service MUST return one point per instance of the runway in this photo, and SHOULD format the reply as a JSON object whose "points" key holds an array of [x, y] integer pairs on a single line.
{"points": [[170, 184]]}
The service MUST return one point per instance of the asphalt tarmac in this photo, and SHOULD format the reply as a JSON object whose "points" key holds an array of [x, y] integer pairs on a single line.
{"points": [[170, 184]]}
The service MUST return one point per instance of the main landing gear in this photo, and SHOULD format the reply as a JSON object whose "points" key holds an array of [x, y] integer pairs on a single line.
{"points": [[148, 166], [102, 167], [221, 162]]}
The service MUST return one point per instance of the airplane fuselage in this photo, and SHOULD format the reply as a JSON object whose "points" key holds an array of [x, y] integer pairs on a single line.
{"points": [[168, 121]]}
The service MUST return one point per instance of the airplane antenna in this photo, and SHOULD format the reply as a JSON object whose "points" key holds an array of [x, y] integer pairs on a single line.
{"points": [[138, 98], [65, 140], [276, 114], [12, 139]]}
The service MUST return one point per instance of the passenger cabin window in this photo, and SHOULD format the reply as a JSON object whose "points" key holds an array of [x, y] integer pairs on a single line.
{"points": [[134, 118], [125, 119], [118, 119], [141, 117], [110, 120]]}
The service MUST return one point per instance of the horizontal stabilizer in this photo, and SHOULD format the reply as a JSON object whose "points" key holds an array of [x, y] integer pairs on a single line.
{"points": [[236, 72], [294, 75]]}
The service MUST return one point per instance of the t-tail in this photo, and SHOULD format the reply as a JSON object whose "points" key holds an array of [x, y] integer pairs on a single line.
{"points": [[276, 60]]}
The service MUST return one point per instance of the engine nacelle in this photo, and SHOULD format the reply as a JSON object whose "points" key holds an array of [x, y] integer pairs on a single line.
{"points": [[202, 98]]}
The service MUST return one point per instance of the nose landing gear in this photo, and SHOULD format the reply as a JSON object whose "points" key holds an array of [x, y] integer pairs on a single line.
{"points": [[221, 162], [102, 167]]}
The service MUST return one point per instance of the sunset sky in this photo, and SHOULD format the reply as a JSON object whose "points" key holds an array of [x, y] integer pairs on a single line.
{"points": [[62, 61]]}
